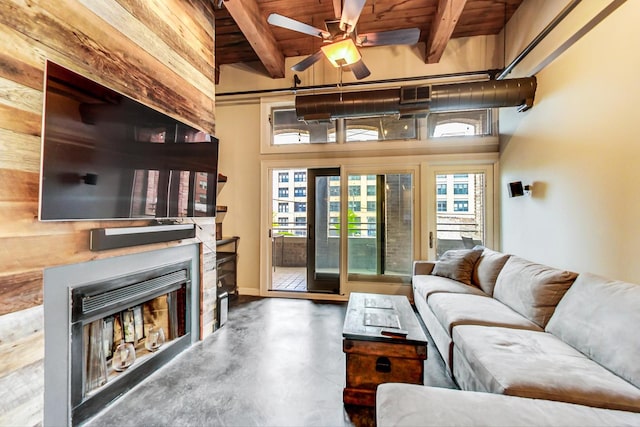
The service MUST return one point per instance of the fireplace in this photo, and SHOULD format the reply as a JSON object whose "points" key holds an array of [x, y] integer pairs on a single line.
{"points": [[110, 323]]}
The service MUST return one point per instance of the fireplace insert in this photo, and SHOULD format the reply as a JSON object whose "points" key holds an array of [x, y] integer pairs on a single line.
{"points": [[125, 318]]}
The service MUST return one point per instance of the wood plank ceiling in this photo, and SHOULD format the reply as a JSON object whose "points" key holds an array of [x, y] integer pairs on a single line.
{"points": [[244, 36]]}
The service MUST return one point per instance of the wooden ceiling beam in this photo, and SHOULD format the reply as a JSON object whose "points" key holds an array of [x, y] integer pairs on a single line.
{"points": [[255, 28], [337, 8], [444, 23]]}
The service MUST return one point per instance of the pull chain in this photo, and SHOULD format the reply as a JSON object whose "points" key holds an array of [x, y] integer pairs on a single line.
{"points": [[340, 84]]}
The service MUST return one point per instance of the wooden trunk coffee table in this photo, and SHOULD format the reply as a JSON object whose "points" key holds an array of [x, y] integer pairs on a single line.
{"points": [[383, 342]]}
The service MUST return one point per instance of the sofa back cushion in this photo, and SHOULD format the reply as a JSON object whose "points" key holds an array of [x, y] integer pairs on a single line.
{"points": [[532, 289], [457, 264], [487, 269], [599, 317]]}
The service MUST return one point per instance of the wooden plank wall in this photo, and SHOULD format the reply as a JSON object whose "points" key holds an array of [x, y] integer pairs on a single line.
{"points": [[159, 52]]}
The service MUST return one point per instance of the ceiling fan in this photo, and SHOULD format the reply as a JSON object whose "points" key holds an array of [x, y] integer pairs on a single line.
{"points": [[341, 40]]}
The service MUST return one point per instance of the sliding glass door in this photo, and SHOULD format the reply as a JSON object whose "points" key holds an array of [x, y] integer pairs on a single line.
{"points": [[380, 226], [305, 230], [323, 247]]}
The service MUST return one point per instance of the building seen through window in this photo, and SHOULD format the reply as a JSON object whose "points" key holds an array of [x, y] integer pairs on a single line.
{"points": [[379, 222]]}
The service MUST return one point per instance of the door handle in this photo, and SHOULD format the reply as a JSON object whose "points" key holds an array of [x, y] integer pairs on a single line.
{"points": [[431, 240]]}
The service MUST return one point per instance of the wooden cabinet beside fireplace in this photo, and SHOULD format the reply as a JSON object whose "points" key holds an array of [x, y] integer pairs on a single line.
{"points": [[226, 265]]}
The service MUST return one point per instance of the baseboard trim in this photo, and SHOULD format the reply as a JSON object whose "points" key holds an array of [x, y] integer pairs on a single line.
{"points": [[252, 292]]}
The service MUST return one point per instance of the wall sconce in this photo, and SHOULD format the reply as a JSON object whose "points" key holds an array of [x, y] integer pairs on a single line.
{"points": [[341, 53], [516, 189]]}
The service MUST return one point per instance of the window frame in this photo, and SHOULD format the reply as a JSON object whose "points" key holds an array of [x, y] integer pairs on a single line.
{"points": [[421, 145], [424, 166]]}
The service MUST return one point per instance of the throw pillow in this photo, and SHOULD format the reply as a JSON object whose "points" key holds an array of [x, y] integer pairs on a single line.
{"points": [[532, 289], [487, 269], [457, 264]]}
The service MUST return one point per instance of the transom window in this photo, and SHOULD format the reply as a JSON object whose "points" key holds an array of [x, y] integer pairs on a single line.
{"points": [[381, 129], [459, 123], [287, 130]]}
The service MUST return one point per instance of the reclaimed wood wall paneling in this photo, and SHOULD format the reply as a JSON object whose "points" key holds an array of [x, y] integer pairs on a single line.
{"points": [[175, 75], [80, 40], [177, 30]]}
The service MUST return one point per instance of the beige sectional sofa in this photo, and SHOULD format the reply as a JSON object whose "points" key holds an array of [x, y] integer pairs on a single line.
{"points": [[520, 334]]}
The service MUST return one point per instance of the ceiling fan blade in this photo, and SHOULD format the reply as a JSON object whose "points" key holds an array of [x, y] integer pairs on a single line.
{"points": [[384, 38], [292, 24], [360, 70], [350, 14], [308, 61]]}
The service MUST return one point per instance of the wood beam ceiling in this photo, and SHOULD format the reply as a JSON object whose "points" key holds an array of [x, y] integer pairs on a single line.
{"points": [[337, 8], [444, 23], [246, 13]]}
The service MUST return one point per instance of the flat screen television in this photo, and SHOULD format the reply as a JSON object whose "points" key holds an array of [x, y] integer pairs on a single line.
{"points": [[107, 156]]}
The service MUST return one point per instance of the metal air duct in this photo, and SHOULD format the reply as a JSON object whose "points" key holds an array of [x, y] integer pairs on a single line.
{"points": [[418, 100]]}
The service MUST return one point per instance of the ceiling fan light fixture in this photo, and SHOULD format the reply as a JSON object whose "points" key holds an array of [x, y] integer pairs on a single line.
{"points": [[342, 53]]}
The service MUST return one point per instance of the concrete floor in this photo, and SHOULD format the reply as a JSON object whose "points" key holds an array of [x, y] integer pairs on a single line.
{"points": [[276, 362]]}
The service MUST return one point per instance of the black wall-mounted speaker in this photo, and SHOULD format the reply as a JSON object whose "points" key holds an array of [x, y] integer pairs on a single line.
{"points": [[111, 238], [516, 189]]}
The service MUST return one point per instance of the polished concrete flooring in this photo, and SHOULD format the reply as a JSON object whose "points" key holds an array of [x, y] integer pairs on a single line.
{"points": [[276, 362]]}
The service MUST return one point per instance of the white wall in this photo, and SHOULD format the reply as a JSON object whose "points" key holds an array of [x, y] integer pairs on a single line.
{"points": [[237, 127], [579, 146]]}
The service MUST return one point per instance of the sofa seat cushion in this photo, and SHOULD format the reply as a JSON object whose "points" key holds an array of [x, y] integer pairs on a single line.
{"points": [[531, 289], [465, 309], [599, 317], [424, 286], [415, 405], [537, 365]]}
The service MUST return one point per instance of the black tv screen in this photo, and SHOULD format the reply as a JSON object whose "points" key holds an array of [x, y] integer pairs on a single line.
{"points": [[106, 156]]}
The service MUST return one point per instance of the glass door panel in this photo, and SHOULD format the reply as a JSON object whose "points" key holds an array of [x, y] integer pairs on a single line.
{"points": [[289, 230], [380, 226], [323, 247], [460, 211]]}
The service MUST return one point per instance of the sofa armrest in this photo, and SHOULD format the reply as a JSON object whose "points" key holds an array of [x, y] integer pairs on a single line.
{"points": [[421, 267]]}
